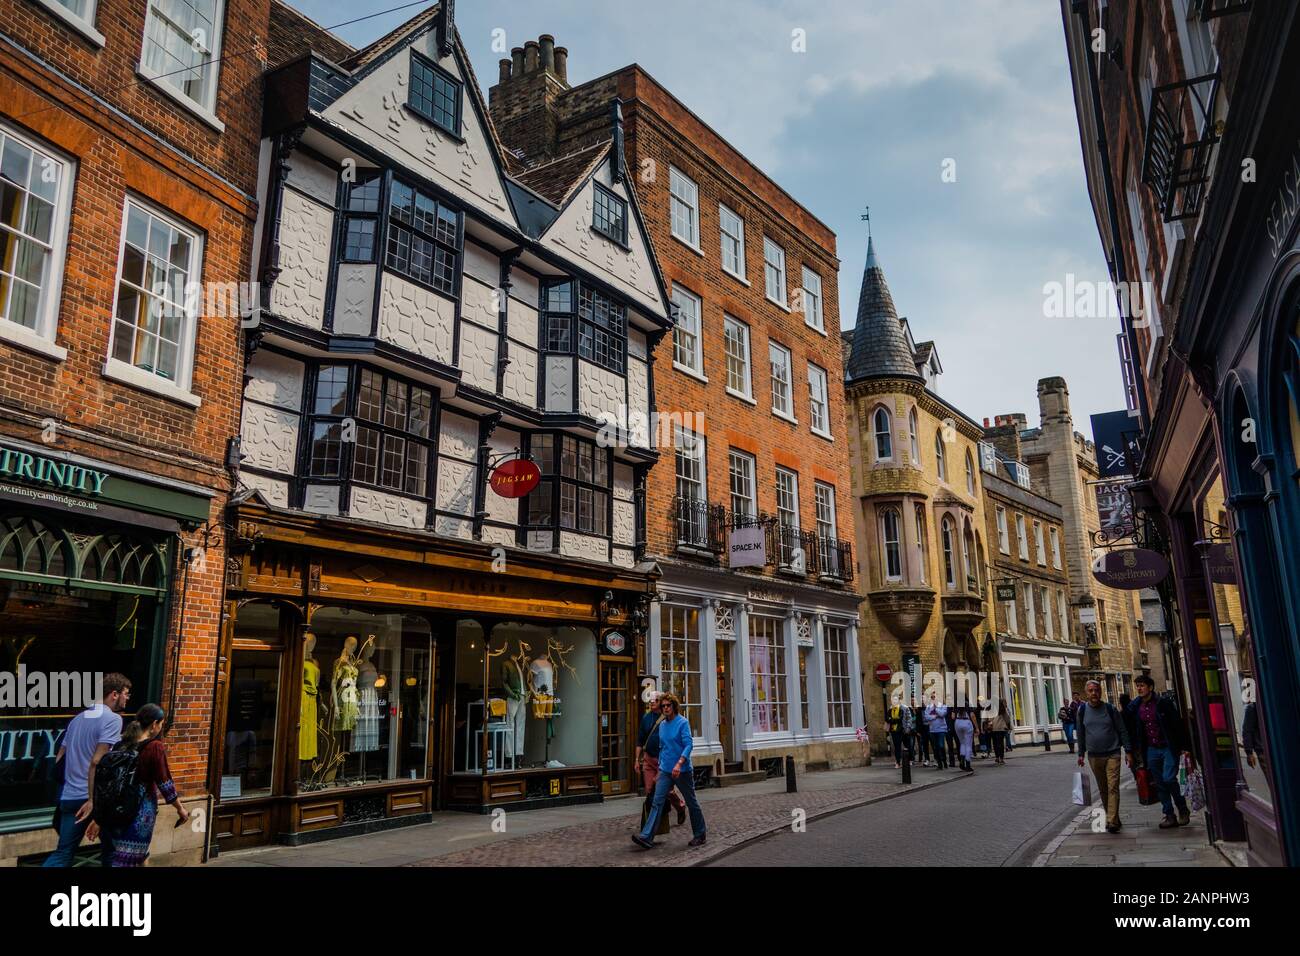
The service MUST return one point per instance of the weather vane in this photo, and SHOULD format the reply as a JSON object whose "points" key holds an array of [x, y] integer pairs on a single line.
{"points": [[866, 217]]}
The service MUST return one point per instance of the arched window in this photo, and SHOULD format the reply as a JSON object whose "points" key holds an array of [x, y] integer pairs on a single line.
{"points": [[938, 456], [949, 559], [967, 547], [892, 548], [970, 474], [920, 543], [915, 443], [884, 438]]}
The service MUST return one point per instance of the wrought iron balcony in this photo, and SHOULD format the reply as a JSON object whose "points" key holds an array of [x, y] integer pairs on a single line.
{"points": [[699, 525], [702, 527], [1180, 140]]}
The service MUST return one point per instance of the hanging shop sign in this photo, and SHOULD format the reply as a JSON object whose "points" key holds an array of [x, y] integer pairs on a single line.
{"points": [[1115, 508], [515, 478], [748, 547], [1222, 562], [1006, 591], [1114, 435], [1130, 569]]}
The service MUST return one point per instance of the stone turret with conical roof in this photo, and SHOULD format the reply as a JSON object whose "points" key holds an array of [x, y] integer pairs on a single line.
{"points": [[879, 343]]}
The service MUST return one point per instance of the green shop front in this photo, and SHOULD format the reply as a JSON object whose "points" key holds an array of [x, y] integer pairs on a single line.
{"points": [[88, 557]]}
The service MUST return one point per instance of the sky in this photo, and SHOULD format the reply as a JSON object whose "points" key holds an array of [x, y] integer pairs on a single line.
{"points": [[953, 120]]}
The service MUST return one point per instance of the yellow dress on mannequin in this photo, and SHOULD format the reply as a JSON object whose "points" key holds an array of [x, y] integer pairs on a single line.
{"points": [[307, 719]]}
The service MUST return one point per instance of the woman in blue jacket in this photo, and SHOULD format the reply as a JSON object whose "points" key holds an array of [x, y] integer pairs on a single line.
{"points": [[675, 770]]}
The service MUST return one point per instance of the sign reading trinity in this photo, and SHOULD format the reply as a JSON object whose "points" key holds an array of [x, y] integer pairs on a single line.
{"points": [[22, 466]]}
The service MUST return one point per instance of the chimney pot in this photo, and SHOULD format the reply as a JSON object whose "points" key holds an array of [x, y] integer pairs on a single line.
{"points": [[546, 43], [505, 70], [562, 64], [530, 56], [517, 61]]}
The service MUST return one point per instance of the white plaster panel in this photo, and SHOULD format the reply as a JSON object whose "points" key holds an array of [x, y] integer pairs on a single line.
{"points": [[624, 557], [541, 540], [525, 287], [369, 504], [268, 438], [521, 324], [504, 441], [321, 499], [520, 383], [636, 344], [478, 356], [501, 509], [314, 178], [415, 319], [638, 402], [354, 299], [482, 264], [453, 527], [458, 437], [477, 303], [502, 536], [601, 393], [456, 486], [559, 383], [275, 492], [624, 523], [299, 293], [277, 380], [375, 109], [574, 545], [623, 482]]}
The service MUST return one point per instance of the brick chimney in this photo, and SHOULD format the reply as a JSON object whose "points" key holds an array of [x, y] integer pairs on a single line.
{"points": [[1004, 435], [523, 102]]}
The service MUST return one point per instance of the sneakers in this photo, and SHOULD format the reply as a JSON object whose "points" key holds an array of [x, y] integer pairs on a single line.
{"points": [[1183, 818], [1168, 823], [697, 841], [642, 842]]}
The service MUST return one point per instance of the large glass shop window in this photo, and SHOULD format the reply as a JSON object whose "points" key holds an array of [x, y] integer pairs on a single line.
{"points": [[364, 713], [526, 698], [255, 661], [52, 628]]}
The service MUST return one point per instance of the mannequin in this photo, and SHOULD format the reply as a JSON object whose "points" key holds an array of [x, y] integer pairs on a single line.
{"points": [[343, 690], [366, 737], [516, 689], [541, 674], [307, 716]]}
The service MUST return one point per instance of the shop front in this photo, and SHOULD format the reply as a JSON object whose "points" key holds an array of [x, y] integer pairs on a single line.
{"points": [[88, 561], [1036, 682], [373, 676]]}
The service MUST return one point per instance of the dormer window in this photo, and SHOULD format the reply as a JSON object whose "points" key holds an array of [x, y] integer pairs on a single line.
{"points": [[609, 215], [435, 94]]}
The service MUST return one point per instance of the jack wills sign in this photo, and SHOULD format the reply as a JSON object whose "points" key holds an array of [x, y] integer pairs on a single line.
{"points": [[748, 547]]}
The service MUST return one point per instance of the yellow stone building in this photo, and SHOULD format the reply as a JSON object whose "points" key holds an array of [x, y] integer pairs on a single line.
{"points": [[919, 505]]}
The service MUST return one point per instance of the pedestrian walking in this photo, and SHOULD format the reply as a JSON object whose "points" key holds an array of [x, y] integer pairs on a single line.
{"points": [[982, 723], [922, 735], [153, 778], [1066, 715], [952, 738], [1161, 740], [1000, 726], [936, 718], [89, 736], [964, 729], [899, 724], [647, 755], [675, 741], [1252, 740], [1102, 735]]}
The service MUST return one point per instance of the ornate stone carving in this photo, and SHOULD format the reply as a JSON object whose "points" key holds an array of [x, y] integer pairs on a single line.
{"points": [[905, 612]]}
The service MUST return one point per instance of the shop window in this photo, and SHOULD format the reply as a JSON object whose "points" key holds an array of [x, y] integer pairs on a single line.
{"points": [[371, 715], [679, 649], [580, 319], [839, 702], [256, 658], [525, 698], [574, 485], [767, 675], [803, 686]]}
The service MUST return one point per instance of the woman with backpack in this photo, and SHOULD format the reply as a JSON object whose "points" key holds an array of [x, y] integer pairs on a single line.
{"points": [[150, 776]]}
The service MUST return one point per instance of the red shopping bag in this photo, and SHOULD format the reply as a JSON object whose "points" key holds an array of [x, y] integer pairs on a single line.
{"points": [[1146, 787]]}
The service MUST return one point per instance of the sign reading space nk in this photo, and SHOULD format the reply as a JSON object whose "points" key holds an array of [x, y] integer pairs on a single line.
{"points": [[748, 547]]}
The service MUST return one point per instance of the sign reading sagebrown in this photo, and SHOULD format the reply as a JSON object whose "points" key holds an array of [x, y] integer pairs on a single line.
{"points": [[1130, 569]]}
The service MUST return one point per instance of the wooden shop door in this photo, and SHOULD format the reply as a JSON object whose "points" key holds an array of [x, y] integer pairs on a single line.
{"points": [[616, 742]]}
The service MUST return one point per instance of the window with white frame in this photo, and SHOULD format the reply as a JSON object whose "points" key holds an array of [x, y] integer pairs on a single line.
{"points": [[1049, 622], [1022, 474], [767, 673], [818, 399], [812, 300], [972, 573], [1004, 539], [787, 514], [970, 474], [688, 347], [920, 543], [1063, 609], [1031, 622], [679, 660], [774, 271], [912, 439], [947, 532], [824, 505], [782, 398], [882, 427], [1056, 548], [736, 345], [839, 702], [84, 9], [941, 463], [35, 199], [1039, 549], [685, 199], [891, 544], [1022, 538], [1013, 624], [741, 467], [732, 230], [154, 321], [182, 44], [692, 515]]}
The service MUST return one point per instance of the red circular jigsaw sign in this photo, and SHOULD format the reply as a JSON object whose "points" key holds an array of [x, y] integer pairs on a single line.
{"points": [[515, 478]]}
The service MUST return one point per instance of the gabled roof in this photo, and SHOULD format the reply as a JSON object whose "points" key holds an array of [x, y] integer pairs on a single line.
{"points": [[556, 181], [368, 54], [880, 346]]}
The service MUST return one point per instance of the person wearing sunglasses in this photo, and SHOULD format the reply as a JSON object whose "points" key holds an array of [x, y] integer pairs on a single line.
{"points": [[675, 770]]}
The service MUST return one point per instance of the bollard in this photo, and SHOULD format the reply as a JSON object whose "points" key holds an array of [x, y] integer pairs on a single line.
{"points": [[1047, 740], [789, 774], [907, 763]]}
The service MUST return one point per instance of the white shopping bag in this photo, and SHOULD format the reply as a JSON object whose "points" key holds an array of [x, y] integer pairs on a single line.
{"points": [[1082, 789]]}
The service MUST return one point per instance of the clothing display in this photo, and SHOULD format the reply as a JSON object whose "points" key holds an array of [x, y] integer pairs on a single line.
{"points": [[307, 748], [517, 720], [541, 674], [365, 737], [345, 693]]}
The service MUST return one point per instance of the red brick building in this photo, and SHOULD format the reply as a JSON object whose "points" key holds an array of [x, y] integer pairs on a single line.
{"points": [[751, 430], [129, 168]]}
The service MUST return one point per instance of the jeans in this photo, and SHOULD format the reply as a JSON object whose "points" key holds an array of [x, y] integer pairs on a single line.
{"points": [[940, 743], [685, 782], [900, 741], [1069, 734], [923, 743], [650, 777], [71, 833], [1163, 764]]}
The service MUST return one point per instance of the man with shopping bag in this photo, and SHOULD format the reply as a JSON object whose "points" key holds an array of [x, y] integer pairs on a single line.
{"points": [[1102, 734], [1162, 739]]}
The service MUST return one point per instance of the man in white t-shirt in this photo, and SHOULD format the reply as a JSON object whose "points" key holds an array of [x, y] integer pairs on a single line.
{"points": [[90, 735]]}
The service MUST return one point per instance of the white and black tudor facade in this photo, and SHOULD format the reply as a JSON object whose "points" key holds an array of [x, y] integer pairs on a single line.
{"points": [[400, 636]]}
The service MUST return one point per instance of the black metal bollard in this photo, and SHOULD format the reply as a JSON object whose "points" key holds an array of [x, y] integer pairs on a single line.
{"points": [[789, 774], [907, 763], [1047, 740]]}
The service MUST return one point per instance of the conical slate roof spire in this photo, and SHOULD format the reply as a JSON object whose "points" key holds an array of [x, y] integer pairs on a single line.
{"points": [[879, 345]]}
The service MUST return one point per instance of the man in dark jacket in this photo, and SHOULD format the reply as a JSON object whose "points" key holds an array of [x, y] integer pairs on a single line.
{"points": [[1161, 740]]}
